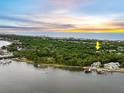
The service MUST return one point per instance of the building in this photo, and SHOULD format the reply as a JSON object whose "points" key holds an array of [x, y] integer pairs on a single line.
{"points": [[1, 52], [112, 66], [120, 48], [96, 65]]}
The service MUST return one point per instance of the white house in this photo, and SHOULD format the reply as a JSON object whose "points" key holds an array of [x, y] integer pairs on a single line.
{"points": [[112, 65], [96, 65]]}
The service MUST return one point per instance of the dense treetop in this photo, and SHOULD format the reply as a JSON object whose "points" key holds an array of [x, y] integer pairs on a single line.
{"points": [[74, 52]]}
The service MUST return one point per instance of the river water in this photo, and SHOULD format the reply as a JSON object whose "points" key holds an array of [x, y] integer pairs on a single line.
{"points": [[20, 77]]}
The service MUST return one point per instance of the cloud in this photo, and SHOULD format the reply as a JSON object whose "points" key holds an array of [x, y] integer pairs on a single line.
{"points": [[65, 23], [59, 6], [16, 18], [30, 23], [66, 3]]}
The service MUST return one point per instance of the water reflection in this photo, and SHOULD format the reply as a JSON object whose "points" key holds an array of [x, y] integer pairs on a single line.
{"points": [[20, 77], [42, 66], [71, 69]]}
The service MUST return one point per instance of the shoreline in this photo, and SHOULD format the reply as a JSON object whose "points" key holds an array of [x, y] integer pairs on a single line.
{"points": [[120, 70], [52, 65]]}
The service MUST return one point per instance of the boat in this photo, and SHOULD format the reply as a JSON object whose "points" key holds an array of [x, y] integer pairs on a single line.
{"points": [[88, 70]]}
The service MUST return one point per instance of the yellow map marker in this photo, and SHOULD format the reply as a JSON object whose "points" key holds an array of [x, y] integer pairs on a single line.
{"points": [[98, 45]]}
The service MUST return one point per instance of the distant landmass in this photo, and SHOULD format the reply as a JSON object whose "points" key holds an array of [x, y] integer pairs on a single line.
{"points": [[101, 36]]}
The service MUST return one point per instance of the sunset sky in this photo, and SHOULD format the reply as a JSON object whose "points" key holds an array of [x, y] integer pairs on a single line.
{"points": [[62, 15]]}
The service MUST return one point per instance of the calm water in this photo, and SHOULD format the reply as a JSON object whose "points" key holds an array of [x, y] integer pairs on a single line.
{"points": [[19, 77]]}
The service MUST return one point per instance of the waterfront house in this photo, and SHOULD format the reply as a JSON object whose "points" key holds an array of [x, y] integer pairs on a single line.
{"points": [[5, 53], [112, 65], [120, 48], [96, 65], [1, 52]]}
